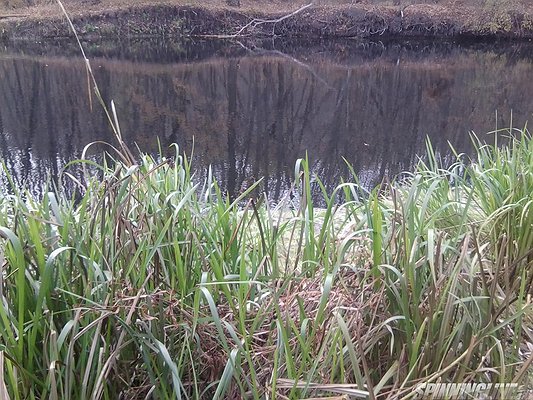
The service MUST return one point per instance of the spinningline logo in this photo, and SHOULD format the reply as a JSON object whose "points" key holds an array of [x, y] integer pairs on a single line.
{"points": [[470, 391]]}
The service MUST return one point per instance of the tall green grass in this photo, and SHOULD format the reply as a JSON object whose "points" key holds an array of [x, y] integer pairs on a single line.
{"points": [[152, 285]]}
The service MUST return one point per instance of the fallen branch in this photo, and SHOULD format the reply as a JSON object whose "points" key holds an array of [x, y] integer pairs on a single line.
{"points": [[254, 23], [3, 16]]}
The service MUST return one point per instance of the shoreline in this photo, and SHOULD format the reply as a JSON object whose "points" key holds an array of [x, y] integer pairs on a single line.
{"points": [[311, 22]]}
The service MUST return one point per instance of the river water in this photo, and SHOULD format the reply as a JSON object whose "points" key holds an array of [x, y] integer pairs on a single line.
{"points": [[251, 109]]}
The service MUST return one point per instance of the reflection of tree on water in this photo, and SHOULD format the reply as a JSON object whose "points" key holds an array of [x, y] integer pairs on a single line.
{"points": [[253, 116], [231, 89]]}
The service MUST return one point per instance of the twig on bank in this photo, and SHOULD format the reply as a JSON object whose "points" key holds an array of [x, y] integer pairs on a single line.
{"points": [[254, 23], [5, 16]]}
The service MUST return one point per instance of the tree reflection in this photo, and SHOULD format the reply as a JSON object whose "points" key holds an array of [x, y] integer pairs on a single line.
{"points": [[253, 115]]}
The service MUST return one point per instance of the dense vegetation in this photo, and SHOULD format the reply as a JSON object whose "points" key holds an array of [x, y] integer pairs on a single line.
{"points": [[151, 283]]}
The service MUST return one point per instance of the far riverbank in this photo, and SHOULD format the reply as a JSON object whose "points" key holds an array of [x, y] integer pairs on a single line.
{"points": [[112, 19]]}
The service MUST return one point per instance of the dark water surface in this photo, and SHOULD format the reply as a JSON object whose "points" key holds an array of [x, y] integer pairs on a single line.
{"points": [[252, 109]]}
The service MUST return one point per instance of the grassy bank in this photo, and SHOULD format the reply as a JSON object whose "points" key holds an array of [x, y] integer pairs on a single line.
{"points": [[153, 286], [39, 19]]}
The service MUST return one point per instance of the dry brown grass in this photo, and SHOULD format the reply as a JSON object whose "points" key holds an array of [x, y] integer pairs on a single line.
{"points": [[49, 8]]}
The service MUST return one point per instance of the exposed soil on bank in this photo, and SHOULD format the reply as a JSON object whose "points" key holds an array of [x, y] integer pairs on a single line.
{"points": [[112, 18]]}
